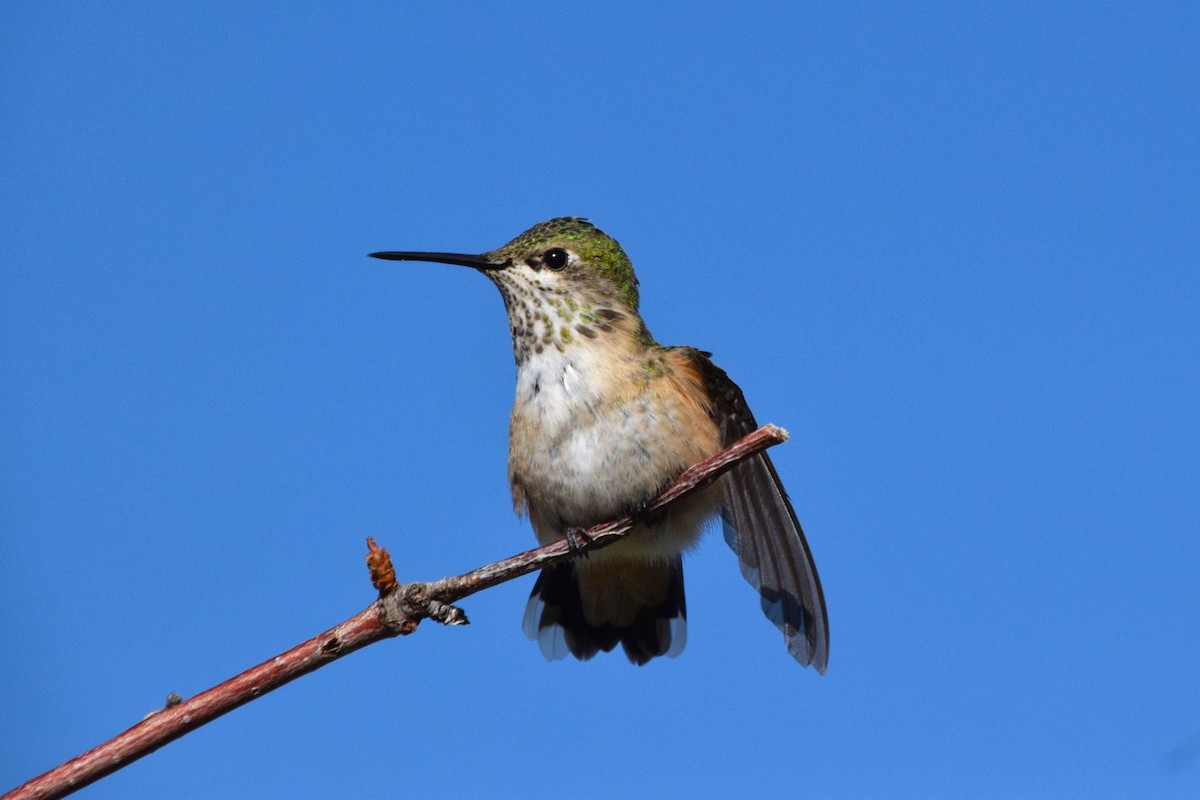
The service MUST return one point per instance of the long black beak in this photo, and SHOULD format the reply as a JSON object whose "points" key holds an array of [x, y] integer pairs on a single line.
{"points": [[475, 262]]}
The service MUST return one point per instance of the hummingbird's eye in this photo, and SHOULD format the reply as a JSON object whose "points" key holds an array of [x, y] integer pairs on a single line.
{"points": [[555, 258]]}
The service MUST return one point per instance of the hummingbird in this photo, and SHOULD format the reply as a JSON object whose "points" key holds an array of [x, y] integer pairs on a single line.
{"points": [[604, 418]]}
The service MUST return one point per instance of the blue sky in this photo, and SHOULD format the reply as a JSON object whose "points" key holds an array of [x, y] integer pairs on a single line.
{"points": [[952, 248]]}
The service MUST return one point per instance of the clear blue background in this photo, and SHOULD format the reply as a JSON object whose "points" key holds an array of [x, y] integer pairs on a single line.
{"points": [[953, 248]]}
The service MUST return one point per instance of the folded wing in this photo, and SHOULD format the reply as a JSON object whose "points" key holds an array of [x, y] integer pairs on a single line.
{"points": [[761, 527]]}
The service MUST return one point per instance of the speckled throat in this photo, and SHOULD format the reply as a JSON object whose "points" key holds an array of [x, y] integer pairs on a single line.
{"points": [[544, 313]]}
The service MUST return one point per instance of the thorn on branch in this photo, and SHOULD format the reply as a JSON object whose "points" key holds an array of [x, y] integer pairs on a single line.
{"points": [[173, 700]]}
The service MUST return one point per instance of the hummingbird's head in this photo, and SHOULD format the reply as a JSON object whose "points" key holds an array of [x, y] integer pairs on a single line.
{"points": [[571, 256], [560, 278]]}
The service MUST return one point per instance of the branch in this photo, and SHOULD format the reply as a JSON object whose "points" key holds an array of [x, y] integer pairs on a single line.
{"points": [[397, 612]]}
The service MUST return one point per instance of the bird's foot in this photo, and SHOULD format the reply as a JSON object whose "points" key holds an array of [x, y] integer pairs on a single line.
{"points": [[644, 516], [577, 539]]}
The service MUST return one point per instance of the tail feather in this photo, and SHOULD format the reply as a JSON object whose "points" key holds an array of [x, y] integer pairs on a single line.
{"points": [[566, 617]]}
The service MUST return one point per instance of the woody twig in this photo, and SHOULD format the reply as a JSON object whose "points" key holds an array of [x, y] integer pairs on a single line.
{"points": [[398, 611]]}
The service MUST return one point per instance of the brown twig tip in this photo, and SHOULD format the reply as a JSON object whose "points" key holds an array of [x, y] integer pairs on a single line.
{"points": [[383, 575]]}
